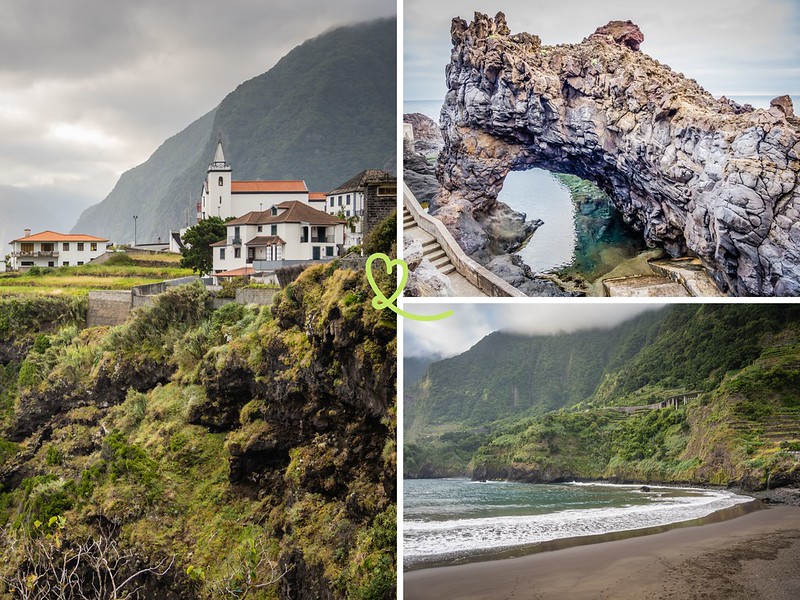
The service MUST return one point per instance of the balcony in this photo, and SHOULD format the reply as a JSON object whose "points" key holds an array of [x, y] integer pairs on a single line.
{"points": [[234, 241], [322, 239], [37, 253]]}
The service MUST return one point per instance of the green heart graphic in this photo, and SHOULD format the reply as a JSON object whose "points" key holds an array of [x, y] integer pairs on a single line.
{"points": [[380, 301]]}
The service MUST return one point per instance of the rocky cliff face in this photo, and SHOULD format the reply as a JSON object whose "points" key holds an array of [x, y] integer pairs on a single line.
{"points": [[419, 156], [274, 425], [696, 175]]}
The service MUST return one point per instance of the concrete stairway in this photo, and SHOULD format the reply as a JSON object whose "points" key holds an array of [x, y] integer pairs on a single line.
{"points": [[431, 249]]}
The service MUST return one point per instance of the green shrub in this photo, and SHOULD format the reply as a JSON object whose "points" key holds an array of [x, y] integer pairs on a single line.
{"points": [[54, 456], [383, 237], [128, 461], [120, 259]]}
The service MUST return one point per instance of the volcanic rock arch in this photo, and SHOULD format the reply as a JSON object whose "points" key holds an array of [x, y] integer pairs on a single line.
{"points": [[694, 174]]}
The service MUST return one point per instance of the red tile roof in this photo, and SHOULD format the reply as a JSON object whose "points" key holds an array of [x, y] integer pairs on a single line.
{"points": [[294, 212], [265, 240], [297, 212], [53, 236], [237, 272], [317, 196], [267, 187]]}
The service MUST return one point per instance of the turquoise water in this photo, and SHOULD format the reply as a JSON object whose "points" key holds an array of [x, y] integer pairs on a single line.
{"points": [[557, 245], [449, 519]]}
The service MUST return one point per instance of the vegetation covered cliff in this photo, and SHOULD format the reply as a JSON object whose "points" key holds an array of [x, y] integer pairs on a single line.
{"points": [[553, 408], [240, 452]]}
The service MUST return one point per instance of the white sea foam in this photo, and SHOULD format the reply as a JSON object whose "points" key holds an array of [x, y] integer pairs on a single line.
{"points": [[426, 540]]}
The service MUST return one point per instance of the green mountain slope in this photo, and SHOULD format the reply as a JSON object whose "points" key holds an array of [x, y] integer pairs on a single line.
{"points": [[507, 375], [323, 113], [744, 427]]}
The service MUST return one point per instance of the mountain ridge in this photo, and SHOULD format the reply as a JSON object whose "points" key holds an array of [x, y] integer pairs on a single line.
{"points": [[739, 426], [322, 113]]}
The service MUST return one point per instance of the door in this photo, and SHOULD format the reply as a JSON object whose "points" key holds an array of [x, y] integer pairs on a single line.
{"points": [[315, 252]]}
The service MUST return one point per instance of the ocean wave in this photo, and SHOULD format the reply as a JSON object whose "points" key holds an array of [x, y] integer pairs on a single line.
{"points": [[425, 540]]}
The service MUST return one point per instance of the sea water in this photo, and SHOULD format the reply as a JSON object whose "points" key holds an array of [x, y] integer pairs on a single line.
{"points": [[448, 520], [555, 245]]}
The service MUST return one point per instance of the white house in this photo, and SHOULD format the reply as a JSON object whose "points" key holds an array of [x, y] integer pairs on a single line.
{"points": [[223, 197], [52, 249], [351, 201], [266, 240]]}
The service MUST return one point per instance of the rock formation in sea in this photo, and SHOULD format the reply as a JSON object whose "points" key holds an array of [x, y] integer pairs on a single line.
{"points": [[696, 175], [419, 156]]}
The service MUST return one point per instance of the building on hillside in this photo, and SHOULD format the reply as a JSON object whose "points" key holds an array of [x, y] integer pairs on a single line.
{"points": [[223, 197], [52, 249], [363, 201], [317, 200], [288, 233]]}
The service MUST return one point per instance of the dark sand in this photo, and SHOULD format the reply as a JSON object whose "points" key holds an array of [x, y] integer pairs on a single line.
{"points": [[753, 557]]}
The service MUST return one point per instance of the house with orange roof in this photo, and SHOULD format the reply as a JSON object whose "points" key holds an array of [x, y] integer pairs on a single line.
{"points": [[53, 249], [289, 232]]}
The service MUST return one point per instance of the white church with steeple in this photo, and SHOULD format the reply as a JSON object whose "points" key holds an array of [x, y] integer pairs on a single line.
{"points": [[224, 197]]}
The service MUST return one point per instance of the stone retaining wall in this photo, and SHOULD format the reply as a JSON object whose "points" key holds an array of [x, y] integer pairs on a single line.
{"points": [[255, 296], [108, 307]]}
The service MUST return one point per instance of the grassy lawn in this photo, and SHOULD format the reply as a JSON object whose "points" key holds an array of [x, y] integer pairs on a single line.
{"points": [[142, 269]]}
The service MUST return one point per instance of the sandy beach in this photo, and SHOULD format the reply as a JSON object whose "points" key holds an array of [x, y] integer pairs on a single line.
{"points": [[755, 556]]}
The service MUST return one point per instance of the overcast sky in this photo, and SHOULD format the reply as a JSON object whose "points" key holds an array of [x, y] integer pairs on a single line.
{"points": [[472, 322], [90, 88], [733, 47]]}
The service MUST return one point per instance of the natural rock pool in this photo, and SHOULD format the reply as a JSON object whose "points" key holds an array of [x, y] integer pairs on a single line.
{"points": [[582, 235]]}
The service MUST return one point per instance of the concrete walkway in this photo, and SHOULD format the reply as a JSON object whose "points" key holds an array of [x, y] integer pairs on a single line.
{"points": [[433, 251]]}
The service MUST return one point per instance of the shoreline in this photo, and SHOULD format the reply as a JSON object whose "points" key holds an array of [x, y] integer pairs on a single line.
{"points": [[756, 555], [499, 554]]}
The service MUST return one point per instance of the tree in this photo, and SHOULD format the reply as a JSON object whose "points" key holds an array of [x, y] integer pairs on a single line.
{"points": [[197, 241], [383, 237]]}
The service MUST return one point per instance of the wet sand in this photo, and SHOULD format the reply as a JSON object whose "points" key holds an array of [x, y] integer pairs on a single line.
{"points": [[753, 557]]}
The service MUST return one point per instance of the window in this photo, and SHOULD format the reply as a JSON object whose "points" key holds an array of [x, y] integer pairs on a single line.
{"points": [[273, 230], [93, 247], [237, 253], [340, 200], [274, 210], [331, 201], [219, 181], [80, 248], [221, 254], [303, 235], [260, 228], [48, 246], [27, 263], [51, 263], [64, 263], [387, 190], [27, 247], [348, 199], [80, 262], [65, 246], [347, 213]]}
